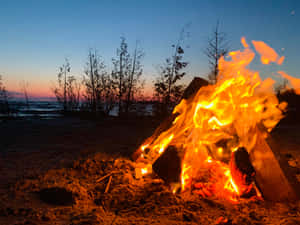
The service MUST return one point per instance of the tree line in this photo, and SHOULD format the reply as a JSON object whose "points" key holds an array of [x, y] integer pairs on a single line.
{"points": [[99, 89]]}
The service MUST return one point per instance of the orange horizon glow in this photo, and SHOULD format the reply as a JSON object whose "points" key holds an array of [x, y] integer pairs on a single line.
{"points": [[37, 90]]}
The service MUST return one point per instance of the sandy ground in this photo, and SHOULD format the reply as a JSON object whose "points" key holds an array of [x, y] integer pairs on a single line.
{"points": [[38, 145], [71, 155]]}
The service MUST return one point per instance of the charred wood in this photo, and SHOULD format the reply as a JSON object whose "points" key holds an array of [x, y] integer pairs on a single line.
{"points": [[242, 170], [168, 165]]}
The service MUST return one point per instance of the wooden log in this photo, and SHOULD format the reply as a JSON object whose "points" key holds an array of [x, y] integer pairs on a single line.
{"points": [[270, 178], [241, 162], [242, 170], [194, 87], [168, 165], [290, 171]]}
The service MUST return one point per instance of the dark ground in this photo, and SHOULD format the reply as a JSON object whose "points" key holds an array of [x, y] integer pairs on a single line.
{"points": [[36, 144], [73, 154]]}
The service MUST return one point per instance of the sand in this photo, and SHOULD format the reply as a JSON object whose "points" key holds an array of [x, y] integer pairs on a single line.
{"points": [[67, 157]]}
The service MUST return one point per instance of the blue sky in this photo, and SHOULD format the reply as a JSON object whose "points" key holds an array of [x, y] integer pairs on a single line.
{"points": [[36, 36]]}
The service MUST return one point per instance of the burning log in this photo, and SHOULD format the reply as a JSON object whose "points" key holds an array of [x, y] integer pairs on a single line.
{"points": [[193, 87], [189, 92], [242, 171], [168, 165], [270, 178]]}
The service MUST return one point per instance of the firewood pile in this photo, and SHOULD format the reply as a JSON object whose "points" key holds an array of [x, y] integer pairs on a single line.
{"points": [[256, 172]]}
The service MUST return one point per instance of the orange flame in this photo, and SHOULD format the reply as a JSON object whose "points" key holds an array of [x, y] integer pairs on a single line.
{"points": [[267, 53], [229, 110], [294, 82]]}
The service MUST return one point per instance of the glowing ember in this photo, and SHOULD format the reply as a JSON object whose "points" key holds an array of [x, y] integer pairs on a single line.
{"points": [[230, 111]]}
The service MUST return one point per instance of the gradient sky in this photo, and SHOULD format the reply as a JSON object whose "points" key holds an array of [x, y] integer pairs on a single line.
{"points": [[36, 36]]}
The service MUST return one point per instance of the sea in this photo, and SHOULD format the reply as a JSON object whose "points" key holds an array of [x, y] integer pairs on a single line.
{"points": [[34, 109], [52, 109]]}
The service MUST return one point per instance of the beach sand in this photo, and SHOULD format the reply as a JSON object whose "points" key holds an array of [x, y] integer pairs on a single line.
{"points": [[70, 154]]}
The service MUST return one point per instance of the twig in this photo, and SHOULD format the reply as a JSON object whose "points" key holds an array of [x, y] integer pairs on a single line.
{"points": [[115, 217], [108, 184], [107, 175]]}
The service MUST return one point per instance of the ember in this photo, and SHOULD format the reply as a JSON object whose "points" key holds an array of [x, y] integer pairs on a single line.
{"points": [[217, 128]]}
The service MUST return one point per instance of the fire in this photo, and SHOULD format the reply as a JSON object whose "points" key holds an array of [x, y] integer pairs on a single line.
{"points": [[144, 170], [230, 111]]}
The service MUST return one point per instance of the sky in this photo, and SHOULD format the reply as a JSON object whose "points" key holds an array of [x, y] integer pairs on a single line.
{"points": [[36, 36]]}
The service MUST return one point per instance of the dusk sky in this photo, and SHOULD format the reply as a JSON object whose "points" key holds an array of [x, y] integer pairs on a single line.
{"points": [[36, 36]]}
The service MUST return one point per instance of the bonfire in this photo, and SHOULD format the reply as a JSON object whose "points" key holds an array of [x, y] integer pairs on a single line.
{"points": [[215, 131], [209, 162]]}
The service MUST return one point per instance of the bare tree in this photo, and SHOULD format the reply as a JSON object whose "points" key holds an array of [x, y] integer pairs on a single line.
{"points": [[134, 83], [67, 91], [94, 75], [73, 93], [217, 47], [108, 93], [121, 72], [166, 87], [61, 90], [24, 88]]}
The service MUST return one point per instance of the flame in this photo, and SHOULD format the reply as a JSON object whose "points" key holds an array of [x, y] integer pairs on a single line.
{"points": [[144, 147], [267, 53], [144, 171], [294, 82], [220, 150], [230, 111]]}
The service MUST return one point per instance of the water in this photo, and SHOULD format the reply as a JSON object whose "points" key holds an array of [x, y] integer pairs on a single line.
{"points": [[51, 109], [39, 109], [141, 109]]}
